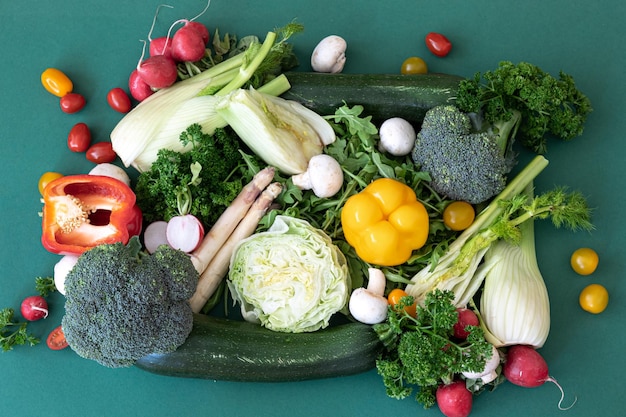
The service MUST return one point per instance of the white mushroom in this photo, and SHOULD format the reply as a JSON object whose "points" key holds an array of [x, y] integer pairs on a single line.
{"points": [[397, 137], [111, 170], [329, 55], [488, 373], [368, 305], [323, 175], [61, 269]]}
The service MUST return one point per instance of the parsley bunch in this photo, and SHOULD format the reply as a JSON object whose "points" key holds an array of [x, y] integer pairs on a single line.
{"points": [[421, 351], [13, 332], [202, 181], [547, 105]]}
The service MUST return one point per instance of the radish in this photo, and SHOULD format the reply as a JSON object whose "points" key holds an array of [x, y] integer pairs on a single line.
{"points": [[202, 30], [454, 399], [158, 71], [155, 235], [524, 366], [188, 44], [184, 232], [61, 269], [161, 46], [466, 318], [34, 308], [139, 89]]}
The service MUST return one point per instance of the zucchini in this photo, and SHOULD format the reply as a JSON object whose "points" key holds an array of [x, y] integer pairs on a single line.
{"points": [[382, 95], [231, 350]]}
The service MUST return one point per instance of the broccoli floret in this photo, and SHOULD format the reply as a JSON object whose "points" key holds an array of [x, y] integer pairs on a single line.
{"points": [[123, 303], [464, 164]]}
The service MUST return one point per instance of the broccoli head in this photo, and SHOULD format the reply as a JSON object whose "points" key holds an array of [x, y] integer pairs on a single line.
{"points": [[464, 164], [123, 303]]}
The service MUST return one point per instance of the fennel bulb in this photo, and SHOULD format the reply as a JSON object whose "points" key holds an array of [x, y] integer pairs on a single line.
{"points": [[283, 133], [291, 278], [514, 304]]}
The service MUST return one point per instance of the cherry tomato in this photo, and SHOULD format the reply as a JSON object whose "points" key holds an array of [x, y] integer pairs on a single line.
{"points": [[119, 100], [414, 65], [79, 138], [101, 152], [438, 44], [46, 178], [56, 82], [594, 298], [458, 215], [72, 103], [394, 298], [584, 261], [56, 339]]}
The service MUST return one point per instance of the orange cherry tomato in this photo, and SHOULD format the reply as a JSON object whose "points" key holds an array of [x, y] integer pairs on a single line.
{"points": [[414, 65], [458, 215], [46, 178], [594, 298], [56, 339], [584, 261], [56, 82], [394, 298]]}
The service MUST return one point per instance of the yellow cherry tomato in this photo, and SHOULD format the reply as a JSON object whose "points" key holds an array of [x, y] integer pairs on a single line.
{"points": [[584, 261], [458, 215], [46, 179], [394, 298], [594, 298], [414, 65], [56, 82]]}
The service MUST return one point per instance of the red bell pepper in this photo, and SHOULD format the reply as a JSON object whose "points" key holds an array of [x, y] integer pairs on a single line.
{"points": [[84, 211]]}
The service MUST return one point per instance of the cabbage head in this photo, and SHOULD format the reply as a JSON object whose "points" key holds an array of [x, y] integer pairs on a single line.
{"points": [[290, 278]]}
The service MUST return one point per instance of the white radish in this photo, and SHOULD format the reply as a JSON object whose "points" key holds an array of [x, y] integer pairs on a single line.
{"points": [[184, 232], [155, 235]]}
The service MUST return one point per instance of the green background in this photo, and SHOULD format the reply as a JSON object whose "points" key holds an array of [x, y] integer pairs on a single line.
{"points": [[97, 45]]}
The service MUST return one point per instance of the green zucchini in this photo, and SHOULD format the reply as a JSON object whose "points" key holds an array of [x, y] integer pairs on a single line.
{"points": [[382, 95], [224, 349]]}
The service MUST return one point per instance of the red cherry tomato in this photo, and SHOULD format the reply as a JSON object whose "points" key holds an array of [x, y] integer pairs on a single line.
{"points": [[119, 100], [438, 44], [79, 138], [101, 152], [72, 103], [56, 339]]}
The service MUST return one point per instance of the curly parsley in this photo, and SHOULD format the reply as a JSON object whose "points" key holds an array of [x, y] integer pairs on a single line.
{"points": [[421, 352]]}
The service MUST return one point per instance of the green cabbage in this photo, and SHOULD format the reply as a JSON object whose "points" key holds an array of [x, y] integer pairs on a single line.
{"points": [[291, 278]]}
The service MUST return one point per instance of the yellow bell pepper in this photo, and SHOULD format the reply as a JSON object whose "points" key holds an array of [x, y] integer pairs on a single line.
{"points": [[385, 222]]}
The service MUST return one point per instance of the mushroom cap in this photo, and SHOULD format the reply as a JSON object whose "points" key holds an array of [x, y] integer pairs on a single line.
{"points": [[329, 55], [397, 136], [323, 175], [368, 307]]}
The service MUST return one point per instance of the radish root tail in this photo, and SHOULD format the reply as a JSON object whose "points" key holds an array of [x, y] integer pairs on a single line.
{"points": [[554, 381]]}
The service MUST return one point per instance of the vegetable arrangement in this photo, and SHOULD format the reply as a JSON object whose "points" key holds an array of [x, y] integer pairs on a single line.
{"points": [[279, 188]]}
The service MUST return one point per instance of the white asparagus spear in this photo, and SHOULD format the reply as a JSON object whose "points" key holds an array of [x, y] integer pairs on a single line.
{"points": [[228, 221], [211, 278]]}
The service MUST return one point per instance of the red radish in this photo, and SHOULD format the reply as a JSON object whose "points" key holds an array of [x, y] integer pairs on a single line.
{"points": [[155, 235], [158, 71], [161, 46], [139, 89], [202, 30], [524, 366], [454, 400], [466, 318], [184, 232], [187, 44], [34, 308]]}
